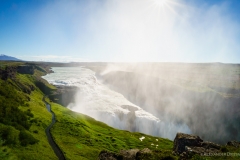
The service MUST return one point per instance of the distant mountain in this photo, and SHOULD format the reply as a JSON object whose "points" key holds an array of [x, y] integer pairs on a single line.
{"points": [[8, 58]]}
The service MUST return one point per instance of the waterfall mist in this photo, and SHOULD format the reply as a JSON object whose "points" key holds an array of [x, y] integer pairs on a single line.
{"points": [[98, 101], [205, 97]]}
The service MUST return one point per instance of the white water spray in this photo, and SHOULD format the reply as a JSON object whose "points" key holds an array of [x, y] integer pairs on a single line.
{"points": [[98, 101]]}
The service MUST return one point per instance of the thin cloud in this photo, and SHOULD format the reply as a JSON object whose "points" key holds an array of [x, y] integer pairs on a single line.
{"points": [[54, 58], [138, 30]]}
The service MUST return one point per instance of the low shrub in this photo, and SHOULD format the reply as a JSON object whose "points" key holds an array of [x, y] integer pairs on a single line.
{"points": [[8, 134], [26, 138]]}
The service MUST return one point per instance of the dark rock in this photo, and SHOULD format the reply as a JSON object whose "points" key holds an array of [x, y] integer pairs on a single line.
{"points": [[194, 150], [42, 85], [129, 154], [142, 152], [8, 72], [25, 69], [64, 95], [187, 145], [51, 71], [32, 87], [234, 144], [209, 145], [145, 150], [131, 117], [105, 155], [183, 155], [182, 140], [201, 150]]}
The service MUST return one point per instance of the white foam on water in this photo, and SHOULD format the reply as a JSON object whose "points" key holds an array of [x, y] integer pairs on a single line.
{"points": [[98, 101]]}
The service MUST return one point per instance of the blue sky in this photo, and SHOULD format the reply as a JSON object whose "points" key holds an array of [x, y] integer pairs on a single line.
{"points": [[121, 30]]}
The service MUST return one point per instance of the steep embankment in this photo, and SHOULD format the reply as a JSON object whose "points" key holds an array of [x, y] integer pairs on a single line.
{"points": [[204, 110], [86, 137], [24, 118]]}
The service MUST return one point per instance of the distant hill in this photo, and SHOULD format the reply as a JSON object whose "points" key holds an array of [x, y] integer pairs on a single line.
{"points": [[8, 58]]}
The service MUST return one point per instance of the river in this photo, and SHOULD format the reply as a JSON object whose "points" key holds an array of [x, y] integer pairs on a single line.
{"points": [[98, 101]]}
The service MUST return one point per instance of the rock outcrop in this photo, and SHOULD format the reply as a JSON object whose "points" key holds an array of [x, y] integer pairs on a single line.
{"points": [[64, 95], [187, 145], [25, 69], [8, 72], [105, 155], [234, 144], [131, 154], [11, 71], [142, 152], [182, 140], [131, 117]]}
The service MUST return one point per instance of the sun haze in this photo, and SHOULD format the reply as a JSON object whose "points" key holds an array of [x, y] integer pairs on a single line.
{"points": [[122, 31], [160, 2]]}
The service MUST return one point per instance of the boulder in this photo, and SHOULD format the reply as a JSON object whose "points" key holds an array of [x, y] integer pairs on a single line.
{"points": [[234, 144], [131, 154], [182, 140], [200, 150], [106, 155], [142, 153], [187, 145], [209, 145]]}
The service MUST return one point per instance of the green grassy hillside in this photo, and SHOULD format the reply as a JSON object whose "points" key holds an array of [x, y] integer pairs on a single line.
{"points": [[24, 118], [82, 137]]}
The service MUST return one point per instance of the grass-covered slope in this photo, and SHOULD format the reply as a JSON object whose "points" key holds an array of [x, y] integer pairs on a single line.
{"points": [[82, 137], [24, 118]]}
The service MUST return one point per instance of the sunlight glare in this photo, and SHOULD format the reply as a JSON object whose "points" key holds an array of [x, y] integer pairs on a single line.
{"points": [[160, 3]]}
